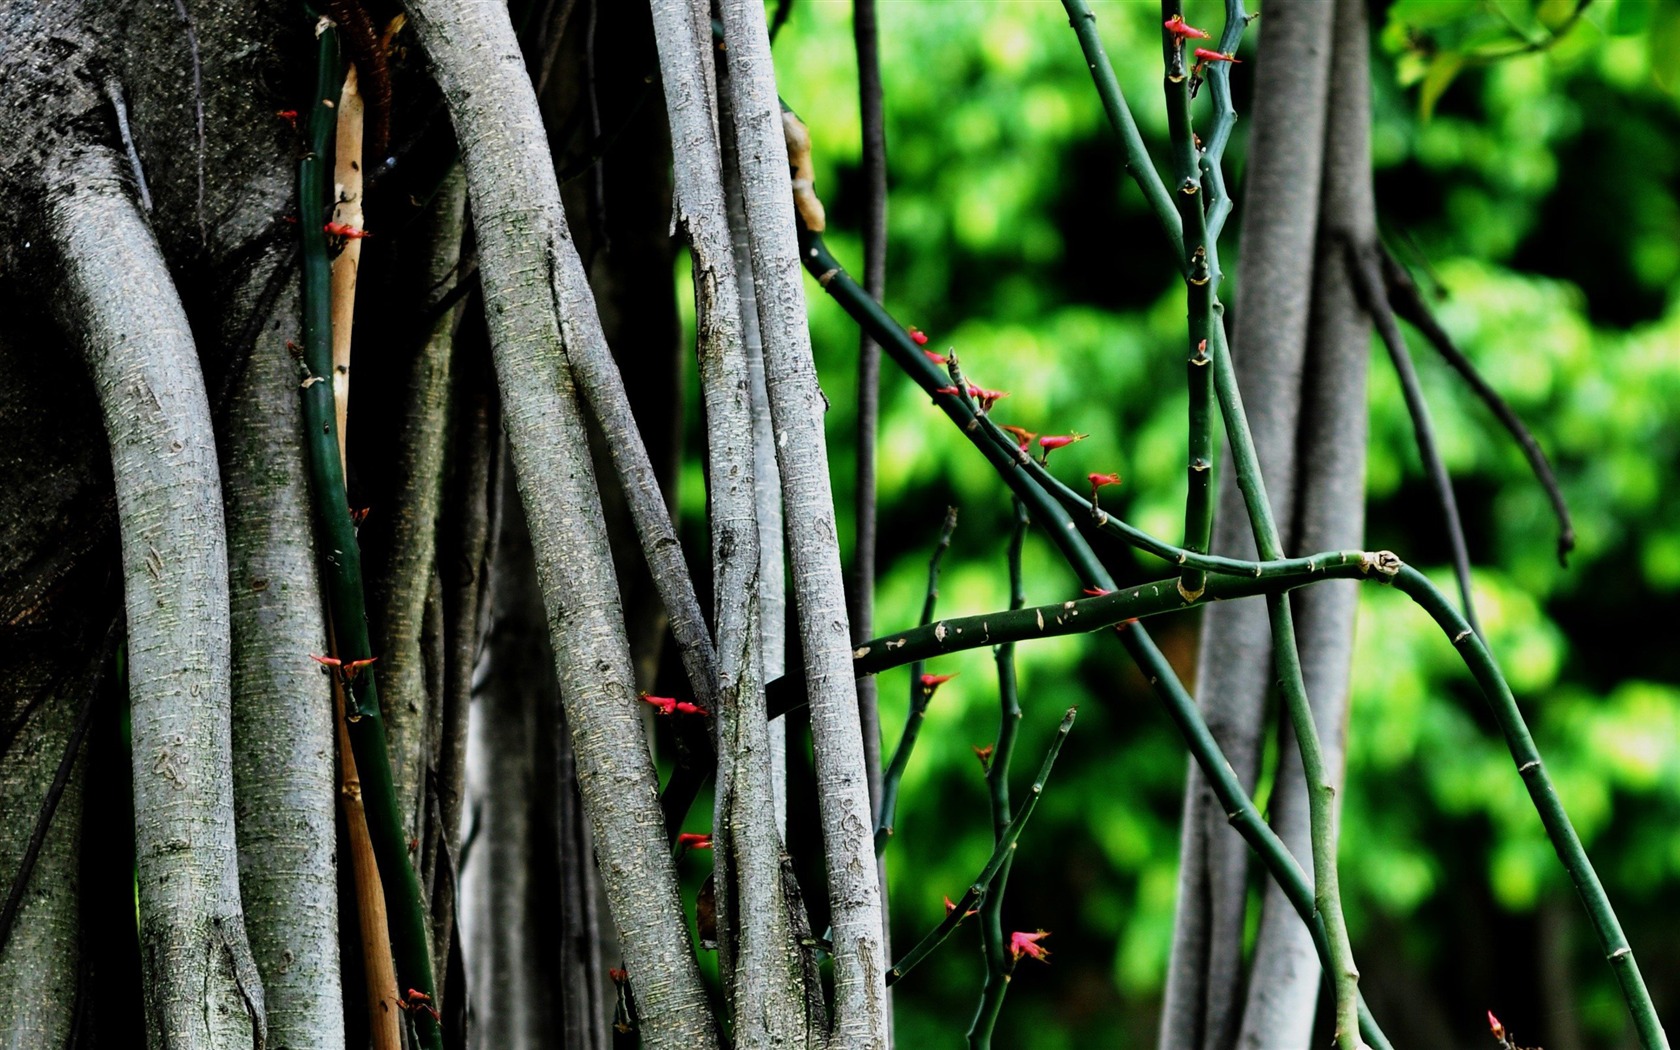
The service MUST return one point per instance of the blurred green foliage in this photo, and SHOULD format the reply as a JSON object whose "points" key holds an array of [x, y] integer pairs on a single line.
{"points": [[1535, 195]]}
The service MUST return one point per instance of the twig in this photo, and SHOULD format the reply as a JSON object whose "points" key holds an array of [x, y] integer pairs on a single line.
{"points": [[1408, 304], [1368, 286], [1002, 853], [920, 695]]}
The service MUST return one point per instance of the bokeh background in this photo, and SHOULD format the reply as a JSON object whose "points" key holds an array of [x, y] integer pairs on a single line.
{"points": [[1534, 197]]}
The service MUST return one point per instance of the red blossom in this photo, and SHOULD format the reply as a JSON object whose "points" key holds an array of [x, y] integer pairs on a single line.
{"points": [[938, 359], [693, 840], [1027, 944], [919, 337], [984, 754], [618, 976], [1022, 434], [345, 230], [671, 706], [289, 116], [1097, 592], [1099, 480], [1050, 442], [348, 669], [1215, 56], [951, 906], [987, 398], [953, 391], [1179, 28]]}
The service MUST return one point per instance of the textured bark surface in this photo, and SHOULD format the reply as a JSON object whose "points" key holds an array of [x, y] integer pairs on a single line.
{"points": [[1329, 514], [796, 404], [38, 962], [283, 782], [758, 960], [542, 322], [202, 985], [1203, 1007]]}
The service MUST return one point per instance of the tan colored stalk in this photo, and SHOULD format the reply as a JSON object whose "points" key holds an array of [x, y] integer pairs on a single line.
{"points": [[347, 210]]}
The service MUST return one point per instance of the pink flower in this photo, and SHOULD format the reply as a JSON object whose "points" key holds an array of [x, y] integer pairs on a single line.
{"points": [[919, 337], [1215, 56], [670, 706], [1099, 480], [951, 390], [1022, 434], [951, 906], [690, 840], [1050, 442], [938, 359], [1027, 944], [1097, 592]]}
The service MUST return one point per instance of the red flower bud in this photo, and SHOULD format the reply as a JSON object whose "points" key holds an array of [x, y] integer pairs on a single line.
{"points": [[938, 359], [953, 391], [345, 230], [1097, 592], [930, 682], [692, 840], [1215, 56], [951, 906], [618, 976], [1022, 434], [1178, 27], [918, 336], [984, 754], [1050, 442]]}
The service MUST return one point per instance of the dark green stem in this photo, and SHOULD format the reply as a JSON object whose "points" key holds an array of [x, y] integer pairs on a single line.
{"points": [[1200, 283], [342, 561], [920, 695], [1001, 855], [1474, 652], [1084, 615], [1134, 154], [997, 785]]}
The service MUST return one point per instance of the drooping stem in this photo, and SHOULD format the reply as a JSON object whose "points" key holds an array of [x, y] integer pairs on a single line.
{"points": [[920, 694], [1497, 692], [997, 793], [1002, 853], [1368, 282], [1407, 303]]}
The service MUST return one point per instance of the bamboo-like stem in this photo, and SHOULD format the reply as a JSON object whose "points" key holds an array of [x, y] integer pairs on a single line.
{"points": [[1497, 692], [364, 724], [1063, 531], [997, 792], [1201, 282], [1224, 119], [1368, 284], [920, 695], [1321, 791], [1408, 304], [1001, 855], [1134, 154]]}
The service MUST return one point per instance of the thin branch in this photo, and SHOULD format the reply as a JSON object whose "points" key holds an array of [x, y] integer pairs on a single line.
{"points": [[1002, 853], [921, 693], [997, 790], [1408, 304], [1497, 692]]}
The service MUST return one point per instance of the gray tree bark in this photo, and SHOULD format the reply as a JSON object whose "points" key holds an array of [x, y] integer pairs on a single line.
{"points": [[796, 404], [542, 324], [120, 306], [283, 783]]}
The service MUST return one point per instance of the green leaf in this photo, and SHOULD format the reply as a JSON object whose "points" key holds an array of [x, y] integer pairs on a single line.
{"points": [[1442, 69]]}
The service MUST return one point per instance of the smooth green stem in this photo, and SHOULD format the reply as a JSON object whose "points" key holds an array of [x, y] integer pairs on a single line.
{"points": [[1200, 284], [1224, 119], [997, 785], [1474, 652], [1134, 153], [1001, 855], [1084, 615], [1022, 475], [342, 561], [920, 696]]}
